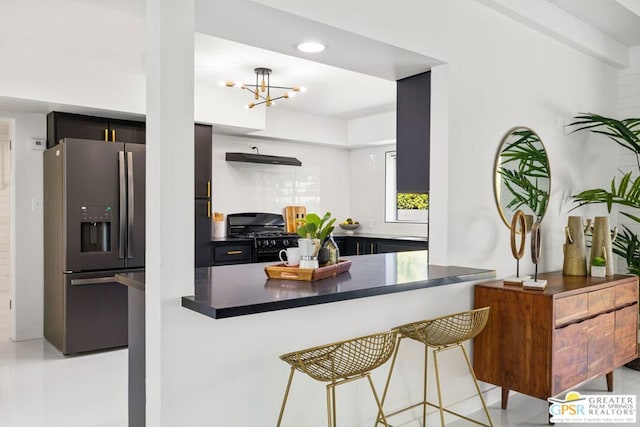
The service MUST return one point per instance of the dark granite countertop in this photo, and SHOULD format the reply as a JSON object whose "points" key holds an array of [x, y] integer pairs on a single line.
{"points": [[236, 290]]}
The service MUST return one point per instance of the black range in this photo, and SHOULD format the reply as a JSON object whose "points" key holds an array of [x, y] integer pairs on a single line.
{"points": [[266, 231]]}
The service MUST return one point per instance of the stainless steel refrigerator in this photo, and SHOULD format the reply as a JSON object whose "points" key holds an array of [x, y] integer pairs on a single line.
{"points": [[94, 209]]}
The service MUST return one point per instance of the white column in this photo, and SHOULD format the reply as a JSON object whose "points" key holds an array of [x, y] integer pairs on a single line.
{"points": [[169, 185]]}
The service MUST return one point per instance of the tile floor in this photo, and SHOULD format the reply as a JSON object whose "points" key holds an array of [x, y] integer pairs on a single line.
{"points": [[41, 388]]}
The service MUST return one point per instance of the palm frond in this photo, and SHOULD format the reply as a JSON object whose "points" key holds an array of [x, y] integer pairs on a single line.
{"points": [[621, 194]]}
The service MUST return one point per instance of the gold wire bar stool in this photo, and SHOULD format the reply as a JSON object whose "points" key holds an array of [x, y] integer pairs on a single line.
{"points": [[442, 333], [342, 362]]}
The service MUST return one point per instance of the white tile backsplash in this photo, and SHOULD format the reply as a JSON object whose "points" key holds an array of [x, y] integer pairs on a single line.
{"points": [[321, 184], [347, 183]]}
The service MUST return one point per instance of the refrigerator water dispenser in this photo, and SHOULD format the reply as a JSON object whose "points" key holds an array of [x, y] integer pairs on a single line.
{"points": [[95, 231]]}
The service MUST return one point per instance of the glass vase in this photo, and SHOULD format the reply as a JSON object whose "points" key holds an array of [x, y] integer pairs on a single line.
{"points": [[329, 253]]}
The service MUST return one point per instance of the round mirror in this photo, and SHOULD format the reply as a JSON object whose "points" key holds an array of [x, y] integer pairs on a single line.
{"points": [[522, 176]]}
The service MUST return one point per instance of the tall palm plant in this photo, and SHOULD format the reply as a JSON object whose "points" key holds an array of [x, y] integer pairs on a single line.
{"points": [[624, 191]]}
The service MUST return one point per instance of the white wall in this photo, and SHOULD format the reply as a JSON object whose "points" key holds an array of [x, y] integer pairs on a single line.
{"points": [[505, 75], [499, 74], [367, 166], [6, 134], [26, 228]]}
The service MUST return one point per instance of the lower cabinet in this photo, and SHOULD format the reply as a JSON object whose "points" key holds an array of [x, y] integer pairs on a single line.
{"points": [[542, 343], [356, 245], [229, 252]]}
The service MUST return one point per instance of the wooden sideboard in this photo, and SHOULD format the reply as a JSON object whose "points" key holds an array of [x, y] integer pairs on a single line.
{"points": [[542, 343]]}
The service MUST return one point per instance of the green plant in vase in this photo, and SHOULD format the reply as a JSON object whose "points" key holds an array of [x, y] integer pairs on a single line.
{"points": [[314, 227], [598, 267], [319, 229]]}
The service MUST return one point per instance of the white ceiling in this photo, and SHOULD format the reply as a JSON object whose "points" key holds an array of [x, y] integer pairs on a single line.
{"points": [[353, 77], [331, 91], [619, 19]]}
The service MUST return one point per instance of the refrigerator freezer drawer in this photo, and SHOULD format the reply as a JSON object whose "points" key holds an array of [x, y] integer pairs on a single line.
{"points": [[95, 313]]}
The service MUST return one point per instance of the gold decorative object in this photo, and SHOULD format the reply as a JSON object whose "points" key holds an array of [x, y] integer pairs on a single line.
{"points": [[342, 362], [442, 333], [601, 241], [536, 250], [262, 89], [518, 228], [574, 249]]}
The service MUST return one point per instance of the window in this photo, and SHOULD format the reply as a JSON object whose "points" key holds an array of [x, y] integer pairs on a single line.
{"points": [[402, 207]]}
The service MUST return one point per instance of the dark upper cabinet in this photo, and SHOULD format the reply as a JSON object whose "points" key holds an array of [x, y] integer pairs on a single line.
{"points": [[67, 125], [202, 238], [413, 126], [202, 166]]}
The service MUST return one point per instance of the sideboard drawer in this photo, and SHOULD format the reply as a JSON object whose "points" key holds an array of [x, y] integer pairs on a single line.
{"points": [[626, 334], [626, 294], [602, 300], [570, 309]]}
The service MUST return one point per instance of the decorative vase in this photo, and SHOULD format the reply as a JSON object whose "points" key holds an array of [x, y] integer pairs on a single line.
{"points": [[601, 242], [574, 249], [597, 271], [329, 253]]}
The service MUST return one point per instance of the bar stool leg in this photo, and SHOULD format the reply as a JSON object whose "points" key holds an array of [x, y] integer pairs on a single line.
{"points": [[475, 381], [386, 386], [375, 396], [331, 404], [424, 386], [286, 395], [435, 363]]}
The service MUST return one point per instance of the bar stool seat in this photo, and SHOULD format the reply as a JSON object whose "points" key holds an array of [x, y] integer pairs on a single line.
{"points": [[341, 362], [442, 333]]}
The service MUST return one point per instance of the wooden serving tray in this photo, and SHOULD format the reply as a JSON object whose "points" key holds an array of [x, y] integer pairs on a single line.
{"points": [[281, 271]]}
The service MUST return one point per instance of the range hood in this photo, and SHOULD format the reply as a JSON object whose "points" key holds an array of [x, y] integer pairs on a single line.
{"points": [[262, 158]]}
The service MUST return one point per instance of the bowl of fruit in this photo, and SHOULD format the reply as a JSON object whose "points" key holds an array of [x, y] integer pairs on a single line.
{"points": [[349, 225]]}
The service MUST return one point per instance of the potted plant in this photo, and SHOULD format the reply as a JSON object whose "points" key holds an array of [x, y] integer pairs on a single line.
{"points": [[319, 230], [598, 267], [626, 134]]}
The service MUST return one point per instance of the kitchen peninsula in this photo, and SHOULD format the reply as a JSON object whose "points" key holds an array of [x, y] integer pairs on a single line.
{"points": [[235, 290]]}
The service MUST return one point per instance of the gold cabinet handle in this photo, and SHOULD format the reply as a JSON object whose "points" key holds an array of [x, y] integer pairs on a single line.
{"points": [[371, 247], [106, 135], [113, 135], [357, 248], [208, 209], [208, 188], [234, 252]]}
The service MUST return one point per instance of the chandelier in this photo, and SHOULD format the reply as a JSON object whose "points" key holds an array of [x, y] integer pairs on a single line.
{"points": [[262, 89]]}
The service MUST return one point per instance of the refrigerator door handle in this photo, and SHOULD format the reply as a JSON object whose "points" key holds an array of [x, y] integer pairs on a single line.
{"points": [[93, 281], [130, 205], [123, 205]]}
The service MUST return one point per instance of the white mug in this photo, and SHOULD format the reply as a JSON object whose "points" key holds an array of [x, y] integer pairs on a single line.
{"points": [[293, 256]]}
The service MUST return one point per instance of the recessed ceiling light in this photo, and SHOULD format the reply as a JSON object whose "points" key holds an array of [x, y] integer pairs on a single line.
{"points": [[311, 47]]}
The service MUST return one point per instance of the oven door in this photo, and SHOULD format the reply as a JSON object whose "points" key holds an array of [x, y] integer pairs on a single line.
{"points": [[267, 255]]}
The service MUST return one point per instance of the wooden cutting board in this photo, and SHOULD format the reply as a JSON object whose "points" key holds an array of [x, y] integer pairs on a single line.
{"points": [[292, 215]]}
